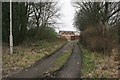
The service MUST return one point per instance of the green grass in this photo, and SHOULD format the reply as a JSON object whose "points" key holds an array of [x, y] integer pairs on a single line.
{"points": [[88, 63], [60, 61], [25, 56]]}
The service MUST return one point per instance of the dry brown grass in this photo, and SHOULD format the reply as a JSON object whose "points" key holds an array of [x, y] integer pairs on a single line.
{"points": [[97, 65], [25, 56], [108, 66]]}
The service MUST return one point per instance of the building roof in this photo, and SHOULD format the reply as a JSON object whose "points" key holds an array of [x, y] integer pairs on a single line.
{"points": [[69, 32]]}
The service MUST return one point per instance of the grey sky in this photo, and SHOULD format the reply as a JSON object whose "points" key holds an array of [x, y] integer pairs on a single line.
{"points": [[67, 17]]}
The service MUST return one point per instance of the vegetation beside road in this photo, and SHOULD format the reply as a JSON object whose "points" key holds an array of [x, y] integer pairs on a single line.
{"points": [[99, 24], [25, 55], [97, 65], [31, 21], [34, 35]]}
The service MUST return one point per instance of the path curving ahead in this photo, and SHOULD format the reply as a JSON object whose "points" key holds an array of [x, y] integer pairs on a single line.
{"points": [[72, 68], [43, 65]]}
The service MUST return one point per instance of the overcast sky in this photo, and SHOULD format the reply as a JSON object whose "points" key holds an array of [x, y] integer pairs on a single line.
{"points": [[67, 17]]}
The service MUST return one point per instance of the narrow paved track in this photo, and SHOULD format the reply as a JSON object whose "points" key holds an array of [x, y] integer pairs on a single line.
{"points": [[72, 68], [42, 66]]}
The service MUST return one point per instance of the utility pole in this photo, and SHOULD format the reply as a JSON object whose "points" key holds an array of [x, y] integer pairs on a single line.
{"points": [[11, 36]]}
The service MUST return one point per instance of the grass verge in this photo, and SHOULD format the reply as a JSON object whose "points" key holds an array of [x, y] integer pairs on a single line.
{"points": [[25, 56], [97, 65]]}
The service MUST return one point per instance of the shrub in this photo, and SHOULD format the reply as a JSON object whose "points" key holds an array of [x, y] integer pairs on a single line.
{"points": [[94, 39]]}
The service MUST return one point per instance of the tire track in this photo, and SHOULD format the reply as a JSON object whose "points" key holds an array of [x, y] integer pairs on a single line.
{"points": [[72, 68], [43, 65]]}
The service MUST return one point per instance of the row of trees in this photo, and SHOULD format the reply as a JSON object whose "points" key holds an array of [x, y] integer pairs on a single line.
{"points": [[31, 21], [99, 23]]}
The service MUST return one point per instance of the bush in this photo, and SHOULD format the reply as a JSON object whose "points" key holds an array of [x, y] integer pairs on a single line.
{"points": [[94, 39], [46, 33]]}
